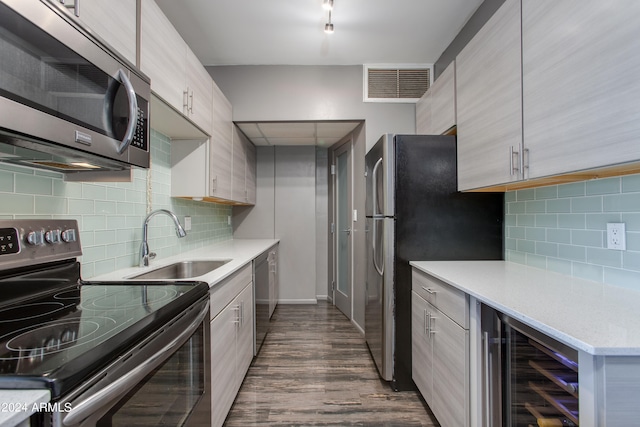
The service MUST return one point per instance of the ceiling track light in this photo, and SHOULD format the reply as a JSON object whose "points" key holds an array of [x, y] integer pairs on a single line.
{"points": [[328, 27], [327, 4]]}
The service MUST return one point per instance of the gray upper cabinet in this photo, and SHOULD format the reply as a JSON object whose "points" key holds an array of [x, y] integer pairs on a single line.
{"points": [[113, 21], [443, 101], [177, 77], [243, 183], [221, 144], [423, 115], [221, 169], [489, 102], [581, 85], [436, 109]]}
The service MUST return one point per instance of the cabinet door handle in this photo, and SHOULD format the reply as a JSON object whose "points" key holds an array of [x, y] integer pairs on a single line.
{"points": [[75, 6], [425, 322], [191, 102], [431, 320], [236, 320], [515, 169], [429, 290], [525, 162]]}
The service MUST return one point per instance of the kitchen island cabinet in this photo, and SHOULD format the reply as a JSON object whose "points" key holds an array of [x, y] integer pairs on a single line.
{"points": [[596, 319]]}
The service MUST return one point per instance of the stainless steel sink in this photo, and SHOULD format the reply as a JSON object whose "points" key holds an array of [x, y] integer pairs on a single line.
{"points": [[182, 270]]}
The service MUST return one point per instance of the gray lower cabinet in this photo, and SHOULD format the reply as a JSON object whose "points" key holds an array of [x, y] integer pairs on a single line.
{"points": [[440, 348], [232, 322]]}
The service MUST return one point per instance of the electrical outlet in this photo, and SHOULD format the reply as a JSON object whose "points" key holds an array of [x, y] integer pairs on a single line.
{"points": [[228, 219], [616, 238]]}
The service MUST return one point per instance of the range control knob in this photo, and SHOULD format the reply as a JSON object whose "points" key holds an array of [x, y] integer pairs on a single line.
{"points": [[52, 236], [35, 238], [69, 235]]}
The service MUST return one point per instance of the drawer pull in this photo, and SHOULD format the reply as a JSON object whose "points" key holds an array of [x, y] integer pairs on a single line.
{"points": [[429, 290]]}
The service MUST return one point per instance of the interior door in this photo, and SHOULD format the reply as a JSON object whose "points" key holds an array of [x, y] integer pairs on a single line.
{"points": [[342, 235]]}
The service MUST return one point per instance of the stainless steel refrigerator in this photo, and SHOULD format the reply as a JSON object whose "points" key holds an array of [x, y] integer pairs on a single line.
{"points": [[415, 213]]}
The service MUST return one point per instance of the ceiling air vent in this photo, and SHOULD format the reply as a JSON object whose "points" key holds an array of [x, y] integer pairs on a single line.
{"points": [[396, 83]]}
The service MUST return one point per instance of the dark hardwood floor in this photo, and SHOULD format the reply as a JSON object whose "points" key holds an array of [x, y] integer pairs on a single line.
{"points": [[314, 369]]}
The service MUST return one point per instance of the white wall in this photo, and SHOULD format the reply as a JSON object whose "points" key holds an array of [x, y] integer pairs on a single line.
{"points": [[286, 209], [289, 93]]}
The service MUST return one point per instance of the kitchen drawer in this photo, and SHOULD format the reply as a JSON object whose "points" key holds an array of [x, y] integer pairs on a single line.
{"points": [[224, 292], [449, 300]]}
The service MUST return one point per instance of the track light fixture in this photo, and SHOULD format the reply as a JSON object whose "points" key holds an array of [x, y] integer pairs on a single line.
{"points": [[327, 4], [328, 27]]}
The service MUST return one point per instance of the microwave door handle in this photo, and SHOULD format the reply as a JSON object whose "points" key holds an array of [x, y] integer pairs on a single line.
{"points": [[133, 111], [117, 388]]}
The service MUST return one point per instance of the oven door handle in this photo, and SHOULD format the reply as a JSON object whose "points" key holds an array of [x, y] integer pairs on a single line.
{"points": [[88, 406]]}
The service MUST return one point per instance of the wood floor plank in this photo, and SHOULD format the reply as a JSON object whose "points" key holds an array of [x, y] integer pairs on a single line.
{"points": [[314, 369]]}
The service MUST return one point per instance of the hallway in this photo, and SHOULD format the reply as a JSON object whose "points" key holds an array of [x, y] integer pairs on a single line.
{"points": [[314, 369]]}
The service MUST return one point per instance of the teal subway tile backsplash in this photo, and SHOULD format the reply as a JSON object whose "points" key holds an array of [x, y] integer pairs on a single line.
{"points": [[110, 215], [569, 231]]}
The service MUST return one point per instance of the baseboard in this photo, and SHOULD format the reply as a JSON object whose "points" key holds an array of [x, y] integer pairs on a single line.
{"points": [[298, 301], [358, 327], [322, 297]]}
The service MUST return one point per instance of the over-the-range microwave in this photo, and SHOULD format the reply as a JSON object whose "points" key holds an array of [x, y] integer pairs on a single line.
{"points": [[67, 101]]}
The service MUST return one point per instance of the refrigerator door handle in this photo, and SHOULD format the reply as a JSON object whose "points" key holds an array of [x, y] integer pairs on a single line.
{"points": [[374, 187], [373, 245]]}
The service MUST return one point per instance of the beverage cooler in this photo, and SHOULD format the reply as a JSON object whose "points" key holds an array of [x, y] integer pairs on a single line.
{"points": [[529, 379]]}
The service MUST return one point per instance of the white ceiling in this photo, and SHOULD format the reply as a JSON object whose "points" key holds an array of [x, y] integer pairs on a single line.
{"points": [[291, 32]]}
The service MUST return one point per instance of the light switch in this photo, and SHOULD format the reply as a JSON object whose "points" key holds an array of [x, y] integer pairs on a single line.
{"points": [[355, 214], [187, 223]]}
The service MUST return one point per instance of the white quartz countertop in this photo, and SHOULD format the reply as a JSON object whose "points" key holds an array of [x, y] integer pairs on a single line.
{"points": [[597, 318], [18, 405], [238, 251]]}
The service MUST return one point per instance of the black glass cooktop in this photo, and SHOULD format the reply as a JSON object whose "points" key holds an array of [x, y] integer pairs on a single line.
{"points": [[57, 330]]}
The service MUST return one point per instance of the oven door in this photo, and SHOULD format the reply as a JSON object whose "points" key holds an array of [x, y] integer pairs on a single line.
{"points": [[162, 381]]}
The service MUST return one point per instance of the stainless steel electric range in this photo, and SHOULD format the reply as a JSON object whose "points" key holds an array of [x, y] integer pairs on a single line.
{"points": [[111, 353]]}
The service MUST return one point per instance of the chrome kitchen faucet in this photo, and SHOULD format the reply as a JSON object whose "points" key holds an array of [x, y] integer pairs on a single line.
{"points": [[144, 247]]}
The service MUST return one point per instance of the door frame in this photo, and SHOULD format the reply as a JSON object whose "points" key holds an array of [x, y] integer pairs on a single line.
{"points": [[345, 145]]}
